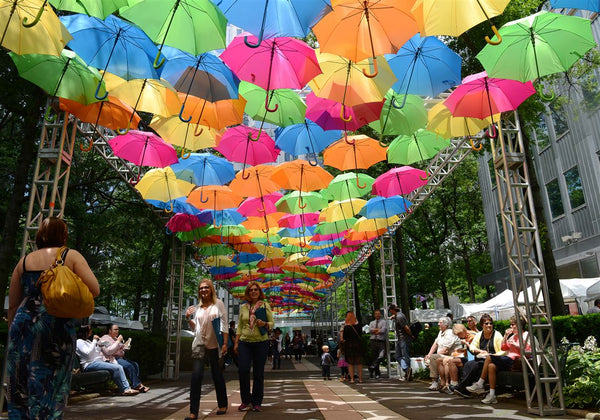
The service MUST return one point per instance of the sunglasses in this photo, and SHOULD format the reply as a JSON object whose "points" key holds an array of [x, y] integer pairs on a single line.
{"points": [[488, 323], [254, 290]]}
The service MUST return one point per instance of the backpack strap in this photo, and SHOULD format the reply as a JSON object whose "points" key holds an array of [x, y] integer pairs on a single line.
{"points": [[61, 254]]}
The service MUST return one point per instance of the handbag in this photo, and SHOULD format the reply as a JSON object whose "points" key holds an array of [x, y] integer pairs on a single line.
{"points": [[64, 294], [199, 351]]}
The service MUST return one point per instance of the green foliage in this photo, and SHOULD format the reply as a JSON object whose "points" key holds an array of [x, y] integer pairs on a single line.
{"points": [[582, 382]]}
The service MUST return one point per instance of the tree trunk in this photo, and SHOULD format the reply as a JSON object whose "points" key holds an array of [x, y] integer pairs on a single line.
{"points": [[159, 297], [468, 275], [557, 304], [403, 287], [375, 284]]}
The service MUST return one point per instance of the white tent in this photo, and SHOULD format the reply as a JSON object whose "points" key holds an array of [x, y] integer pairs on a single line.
{"points": [[499, 307], [581, 291]]}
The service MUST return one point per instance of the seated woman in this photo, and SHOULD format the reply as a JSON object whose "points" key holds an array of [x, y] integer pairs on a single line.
{"points": [[494, 363], [443, 345], [92, 359], [448, 366], [114, 352]]}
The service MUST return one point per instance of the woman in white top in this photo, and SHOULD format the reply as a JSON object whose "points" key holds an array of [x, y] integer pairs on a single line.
{"points": [[208, 320]]}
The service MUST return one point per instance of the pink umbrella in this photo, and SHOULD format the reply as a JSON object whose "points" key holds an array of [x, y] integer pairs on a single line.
{"points": [[480, 96], [247, 145], [328, 114], [143, 148], [299, 220], [251, 206], [344, 250], [399, 181], [276, 63], [318, 261], [182, 222], [327, 237]]}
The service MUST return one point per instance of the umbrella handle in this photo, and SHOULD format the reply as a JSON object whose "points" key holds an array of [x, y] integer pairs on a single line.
{"points": [[169, 210], [426, 177], [475, 147], [375, 70], [311, 162], [254, 139], [489, 41], [97, 93], [196, 132], [378, 244], [395, 104], [267, 104], [185, 155], [244, 175], [201, 200], [181, 115], [381, 143], [265, 231], [84, 149], [168, 231], [124, 130], [261, 210], [350, 142], [48, 117], [542, 95], [158, 61], [300, 203], [343, 118], [36, 19], [358, 184], [215, 225], [493, 134], [250, 45]]}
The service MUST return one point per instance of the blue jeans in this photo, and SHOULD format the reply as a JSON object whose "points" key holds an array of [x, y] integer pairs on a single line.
{"points": [[118, 374], [132, 371], [255, 355], [403, 353], [276, 358], [212, 357]]}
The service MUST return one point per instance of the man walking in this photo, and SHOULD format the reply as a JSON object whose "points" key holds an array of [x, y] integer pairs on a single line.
{"points": [[379, 330], [404, 336]]}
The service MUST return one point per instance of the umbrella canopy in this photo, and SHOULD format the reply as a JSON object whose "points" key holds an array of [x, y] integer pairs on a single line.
{"points": [[481, 96], [47, 36], [341, 210], [417, 147], [301, 175], [298, 202], [307, 138], [290, 108], [256, 206], [161, 184], [348, 185], [442, 122], [214, 115], [195, 26], [363, 29], [405, 120], [384, 207], [221, 217], [185, 135], [592, 5], [215, 197], [545, 43], [295, 221], [112, 113], [399, 181], [204, 169], [328, 114], [181, 222], [98, 8], [247, 145], [143, 148], [65, 76], [254, 182], [354, 152]]}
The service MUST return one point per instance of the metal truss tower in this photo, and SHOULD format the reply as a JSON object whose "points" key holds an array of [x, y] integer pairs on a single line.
{"points": [[175, 317], [388, 286], [526, 268]]}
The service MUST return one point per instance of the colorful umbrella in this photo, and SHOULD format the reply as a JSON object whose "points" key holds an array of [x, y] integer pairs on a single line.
{"points": [[181, 222], [341, 210], [185, 135], [160, 184], [298, 202], [399, 181], [215, 197], [247, 145], [417, 147], [592, 5], [221, 217], [348, 185], [400, 120], [176, 205], [354, 152], [296, 221], [112, 113], [442, 122], [307, 138], [384, 207], [98, 8], [143, 148], [327, 113], [290, 108], [31, 27], [254, 182], [204, 169], [301, 175], [256, 206], [214, 115]]}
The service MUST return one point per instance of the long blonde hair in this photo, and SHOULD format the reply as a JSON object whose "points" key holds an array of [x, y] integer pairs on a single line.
{"points": [[213, 292]]}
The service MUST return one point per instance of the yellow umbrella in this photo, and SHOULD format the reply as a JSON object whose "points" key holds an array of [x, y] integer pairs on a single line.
{"points": [[371, 225], [296, 258], [343, 80], [32, 27], [149, 95], [161, 184], [219, 261], [442, 122], [340, 210], [183, 134], [269, 251]]}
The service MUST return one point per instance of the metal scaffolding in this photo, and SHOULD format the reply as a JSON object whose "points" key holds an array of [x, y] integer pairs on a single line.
{"points": [[388, 286], [175, 317], [526, 267]]}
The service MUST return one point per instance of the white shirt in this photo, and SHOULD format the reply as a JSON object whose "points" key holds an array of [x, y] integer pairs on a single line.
{"points": [[383, 329], [204, 332], [88, 352]]}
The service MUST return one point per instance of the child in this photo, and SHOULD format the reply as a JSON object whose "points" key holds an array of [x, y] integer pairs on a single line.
{"points": [[326, 362], [342, 364]]}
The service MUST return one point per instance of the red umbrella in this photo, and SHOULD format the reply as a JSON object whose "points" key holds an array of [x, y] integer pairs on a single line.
{"points": [[182, 222], [328, 114], [247, 145], [144, 149], [399, 181]]}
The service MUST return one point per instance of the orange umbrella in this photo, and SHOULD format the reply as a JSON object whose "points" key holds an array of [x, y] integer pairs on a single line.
{"points": [[216, 115], [301, 176], [270, 262], [354, 152], [366, 28], [112, 113], [215, 197], [254, 181], [268, 221]]}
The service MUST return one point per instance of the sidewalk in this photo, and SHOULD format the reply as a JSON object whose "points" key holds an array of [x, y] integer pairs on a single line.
{"points": [[298, 391]]}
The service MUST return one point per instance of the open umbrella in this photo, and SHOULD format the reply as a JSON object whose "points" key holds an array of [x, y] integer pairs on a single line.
{"points": [[31, 27], [160, 184], [298, 202], [301, 175], [290, 109], [348, 185], [399, 181], [186, 135], [354, 152], [204, 169], [254, 182], [341, 210], [442, 122], [215, 197], [305, 139], [396, 120], [417, 147], [327, 113], [256, 206], [143, 148], [384, 207], [592, 5], [98, 8], [214, 115], [545, 43], [247, 145], [112, 113]]}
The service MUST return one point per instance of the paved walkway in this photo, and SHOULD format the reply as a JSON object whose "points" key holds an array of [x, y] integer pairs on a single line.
{"points": [[297, 391]]}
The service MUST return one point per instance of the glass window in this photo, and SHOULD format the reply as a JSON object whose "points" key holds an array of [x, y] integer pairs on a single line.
{"points": [[553, 191], [589, 267], [541, 133], [559, 120], [574, 187]]}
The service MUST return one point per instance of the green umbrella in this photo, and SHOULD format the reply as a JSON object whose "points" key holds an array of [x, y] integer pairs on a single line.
{"points": [[290, 109], [419, 146], [348, 185], [65, 76], [330, 228], [98, 8], [537, 45], [212, 250], [298, 202], [405, 120]]}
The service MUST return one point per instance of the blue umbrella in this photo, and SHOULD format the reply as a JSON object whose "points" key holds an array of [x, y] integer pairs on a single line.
{"points": [[305, 139], [204, 169], [177, 205], [246, 258], [274, 18], [297, 232], [113, 45], [593, 5], [221, 217], [382, 207], [424, 66]]}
